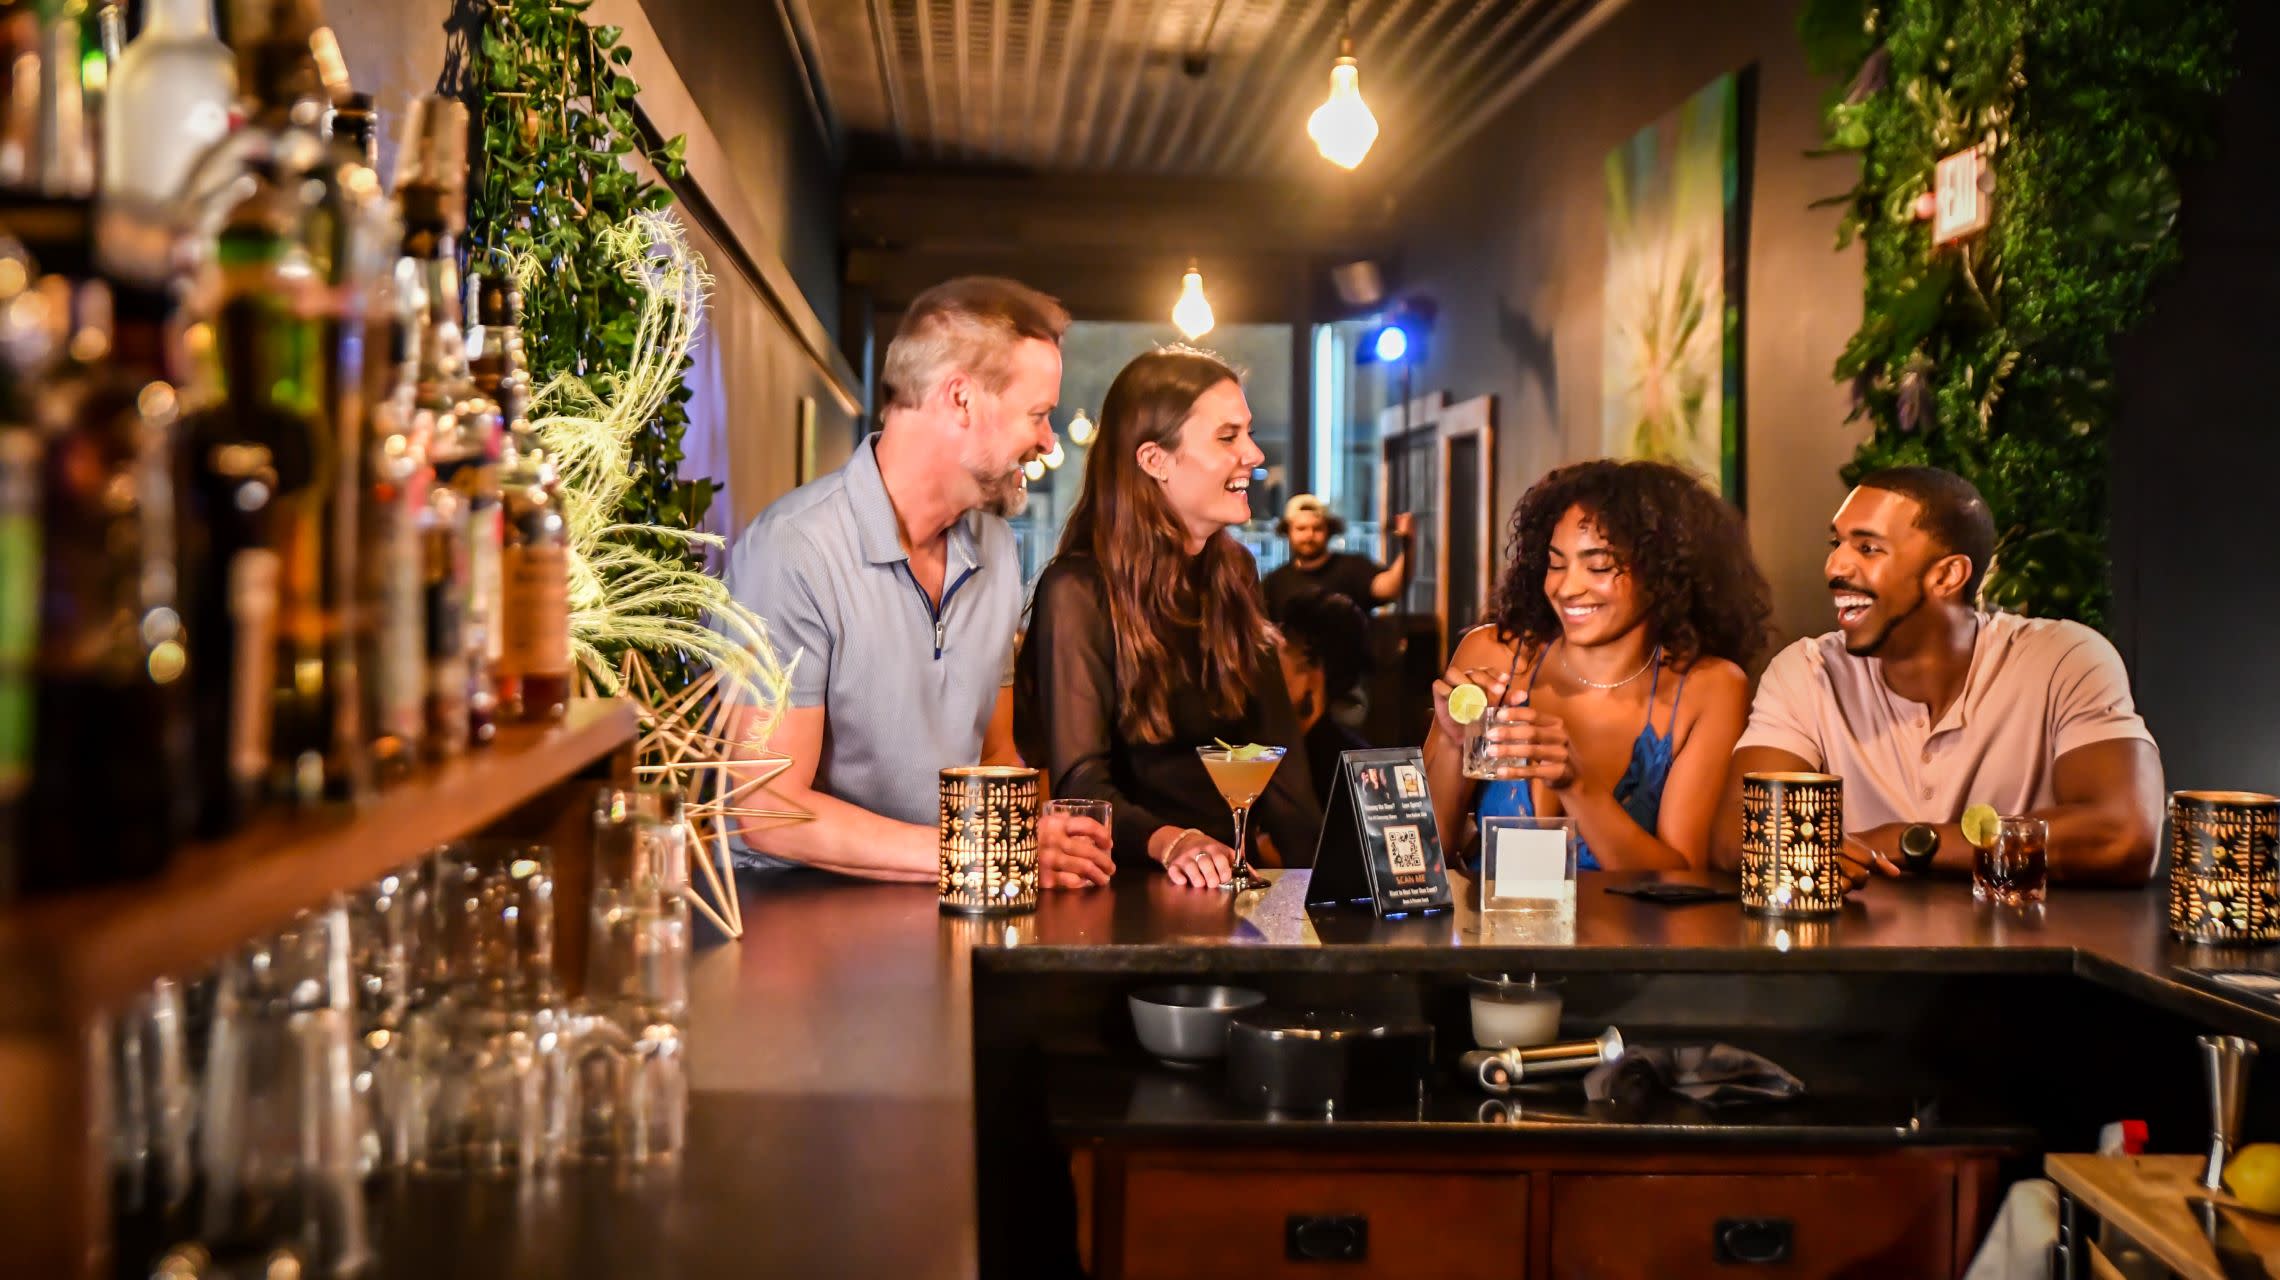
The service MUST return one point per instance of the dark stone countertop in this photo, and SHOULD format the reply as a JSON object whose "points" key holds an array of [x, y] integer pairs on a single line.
{"points": [[832, 1048]]}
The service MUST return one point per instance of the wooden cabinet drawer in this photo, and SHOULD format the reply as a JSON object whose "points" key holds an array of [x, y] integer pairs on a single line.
{"points": [[1180, 1223], [1897, 1223]]}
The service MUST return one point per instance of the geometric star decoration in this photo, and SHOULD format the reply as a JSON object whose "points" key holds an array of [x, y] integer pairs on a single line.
{"points": [[688, 742]]}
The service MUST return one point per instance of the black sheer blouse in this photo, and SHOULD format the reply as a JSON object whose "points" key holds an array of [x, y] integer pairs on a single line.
{"points": [[1064, 722]]}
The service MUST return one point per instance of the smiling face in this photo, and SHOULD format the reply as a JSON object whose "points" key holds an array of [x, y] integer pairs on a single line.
{"points": [[1594, 596], [1206, 475], [1884, 568], [1006, 428]]}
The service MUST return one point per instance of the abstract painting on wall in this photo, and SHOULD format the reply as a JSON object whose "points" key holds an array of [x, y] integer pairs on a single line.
{"points": [[1677, 230]]}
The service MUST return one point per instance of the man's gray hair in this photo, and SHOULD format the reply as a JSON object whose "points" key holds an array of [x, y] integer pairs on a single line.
{"points": [[971, 324]]}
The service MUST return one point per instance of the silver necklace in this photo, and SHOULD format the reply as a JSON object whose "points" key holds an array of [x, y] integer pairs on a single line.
{"points": [[1615, 685]]}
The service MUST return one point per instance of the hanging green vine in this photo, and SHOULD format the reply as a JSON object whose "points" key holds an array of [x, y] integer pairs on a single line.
{"points": [[1995, 358], [552, 103]]}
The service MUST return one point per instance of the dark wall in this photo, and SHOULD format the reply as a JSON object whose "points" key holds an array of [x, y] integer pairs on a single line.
{"points": [[738, 63], [2196, 455], [1511, 241]]}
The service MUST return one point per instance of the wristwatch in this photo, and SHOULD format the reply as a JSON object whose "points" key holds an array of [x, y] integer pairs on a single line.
{"points": [[1919, 844]]}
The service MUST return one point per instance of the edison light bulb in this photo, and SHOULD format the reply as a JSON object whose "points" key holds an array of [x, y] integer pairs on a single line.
{"points": [[1034, 469], [1343, 128], [1192, 313], [1082, 430], [1054, 457]]}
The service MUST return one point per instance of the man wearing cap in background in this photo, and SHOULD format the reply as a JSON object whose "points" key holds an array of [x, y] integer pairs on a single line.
{"points": [[1313, 567]]}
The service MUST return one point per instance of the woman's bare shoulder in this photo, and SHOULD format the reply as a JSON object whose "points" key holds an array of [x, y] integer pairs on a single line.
{"points": [[1484, 646]]}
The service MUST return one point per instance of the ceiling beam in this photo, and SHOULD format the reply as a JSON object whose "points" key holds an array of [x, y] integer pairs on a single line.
{"points": [[998, 25], [1146, 151], [1179, 215], [1077, 137], [883, 49], [924, 21], [1552, 40], [1040, 10], [1280, 110], [1055, 123]]}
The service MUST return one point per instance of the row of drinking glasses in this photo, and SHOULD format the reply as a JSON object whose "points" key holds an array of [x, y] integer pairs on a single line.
{"points": [[417, 1026]]}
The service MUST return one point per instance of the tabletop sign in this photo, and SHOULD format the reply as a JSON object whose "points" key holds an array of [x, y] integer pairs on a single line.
{"points": [[1379, 842], [1965, 191]]}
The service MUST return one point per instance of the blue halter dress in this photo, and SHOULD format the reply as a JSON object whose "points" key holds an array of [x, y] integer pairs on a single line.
{"points": [[1640, 789]]}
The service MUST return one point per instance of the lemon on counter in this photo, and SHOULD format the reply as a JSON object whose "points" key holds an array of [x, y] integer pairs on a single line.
{"points": [[1467, 703], [1980, 825], [2253, 1174]]}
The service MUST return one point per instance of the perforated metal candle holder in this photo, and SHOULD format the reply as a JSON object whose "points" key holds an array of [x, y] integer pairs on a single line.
{"points": [[1793, 825], [2224, 875], [988, 840]]}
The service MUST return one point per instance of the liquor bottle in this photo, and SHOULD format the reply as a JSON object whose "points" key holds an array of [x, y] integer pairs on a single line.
{"points": [[19, 633], [534, 621], [109, 703], [392, 485], [462, 425], [253, 461], [169, 99], [111, 727], [320, 752]]}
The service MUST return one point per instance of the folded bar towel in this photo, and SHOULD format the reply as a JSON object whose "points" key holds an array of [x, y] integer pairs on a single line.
{"points": [[1714, 1075]]}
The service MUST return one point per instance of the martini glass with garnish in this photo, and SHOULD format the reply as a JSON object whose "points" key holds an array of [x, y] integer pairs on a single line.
{"points": [[1241, 773]]}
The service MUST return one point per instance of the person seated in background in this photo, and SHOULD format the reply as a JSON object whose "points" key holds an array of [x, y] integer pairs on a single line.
{"points": [[895, 580], [1324, 652], [1926, 704], [1148, 636], [1612, 665], [1309, 525]]}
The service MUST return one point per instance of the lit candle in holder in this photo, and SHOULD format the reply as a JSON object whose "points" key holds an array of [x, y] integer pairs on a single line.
{"points": [[2224, 878], [1793, 827], [988, 840]]}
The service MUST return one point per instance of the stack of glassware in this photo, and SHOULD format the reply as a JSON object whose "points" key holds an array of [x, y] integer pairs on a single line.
{"points": [[418, 1028]]}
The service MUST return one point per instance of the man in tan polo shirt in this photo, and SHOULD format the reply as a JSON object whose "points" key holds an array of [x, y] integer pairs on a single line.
{"points": [[1925, 705]]}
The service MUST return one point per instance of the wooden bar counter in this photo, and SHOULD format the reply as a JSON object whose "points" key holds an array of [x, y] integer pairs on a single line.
{"points": [[1946, 1045]]}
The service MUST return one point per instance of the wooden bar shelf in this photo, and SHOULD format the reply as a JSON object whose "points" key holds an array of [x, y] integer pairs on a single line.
{"points": [[64, 958]]}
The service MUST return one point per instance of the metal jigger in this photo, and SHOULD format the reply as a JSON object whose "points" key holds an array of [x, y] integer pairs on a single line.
{"points": [[2225, 1061]]}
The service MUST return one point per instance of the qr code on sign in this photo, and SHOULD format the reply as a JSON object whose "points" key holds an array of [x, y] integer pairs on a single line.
{"points": [[1405, 851]]}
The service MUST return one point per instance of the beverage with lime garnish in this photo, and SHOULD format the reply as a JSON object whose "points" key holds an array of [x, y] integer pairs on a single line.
{"points": [[1468, 706], [1241, 774], [2010, 857]]}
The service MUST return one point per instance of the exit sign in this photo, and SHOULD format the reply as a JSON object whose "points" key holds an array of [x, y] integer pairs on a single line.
{"points": [[1965, 188]]}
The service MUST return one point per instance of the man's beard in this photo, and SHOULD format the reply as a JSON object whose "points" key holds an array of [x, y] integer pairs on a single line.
{"points": [[1869, 647], [1003, 493]]}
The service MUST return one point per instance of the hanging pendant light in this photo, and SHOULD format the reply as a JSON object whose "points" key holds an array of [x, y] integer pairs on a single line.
{"points": [[1192, 313], [1343, 128], [1082, 430], [1054, 456]]}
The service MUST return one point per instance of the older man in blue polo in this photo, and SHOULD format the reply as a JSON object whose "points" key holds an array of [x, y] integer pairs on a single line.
{"points": [[896, 579]]}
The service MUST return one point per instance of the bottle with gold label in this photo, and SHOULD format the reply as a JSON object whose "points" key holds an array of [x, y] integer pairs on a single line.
{"points": [[534, 621], [461, 424]]}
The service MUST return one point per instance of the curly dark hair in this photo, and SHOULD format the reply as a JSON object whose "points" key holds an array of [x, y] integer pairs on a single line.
{"points": [[1686, 549]]}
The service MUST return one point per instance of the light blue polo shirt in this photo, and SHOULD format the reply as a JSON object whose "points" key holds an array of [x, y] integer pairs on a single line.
{"points": [[907, 689]]}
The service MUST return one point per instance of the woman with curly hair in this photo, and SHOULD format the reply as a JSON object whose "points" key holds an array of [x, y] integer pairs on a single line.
{"points": [[1613, 663]]}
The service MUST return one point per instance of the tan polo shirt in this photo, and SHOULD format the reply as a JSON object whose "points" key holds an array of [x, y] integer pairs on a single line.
{"points": [[2038, 689]]}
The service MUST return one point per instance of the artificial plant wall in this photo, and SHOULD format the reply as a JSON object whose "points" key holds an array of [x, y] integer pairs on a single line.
{"points": [[552, 103], [1995, 357]]}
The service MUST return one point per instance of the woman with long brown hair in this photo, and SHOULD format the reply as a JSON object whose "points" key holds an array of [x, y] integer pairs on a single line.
{"points": [[1148, 634]]}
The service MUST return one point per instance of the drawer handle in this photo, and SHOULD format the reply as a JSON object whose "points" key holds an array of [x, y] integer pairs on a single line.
{"points": [[1326, 1238], [1753, 1241]]}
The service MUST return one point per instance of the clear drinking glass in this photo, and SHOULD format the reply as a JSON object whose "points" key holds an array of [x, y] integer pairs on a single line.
{"points": [[2014, 871], [1480, 759], [278, 1117], [1099, 811], [155, 1103], [1241, 777]]}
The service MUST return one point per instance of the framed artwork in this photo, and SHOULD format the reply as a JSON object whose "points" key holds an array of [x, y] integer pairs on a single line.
{"points": [[1677, 238]]}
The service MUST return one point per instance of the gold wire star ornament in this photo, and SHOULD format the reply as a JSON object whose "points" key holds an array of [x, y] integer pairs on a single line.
{"points": [[690, 740]]}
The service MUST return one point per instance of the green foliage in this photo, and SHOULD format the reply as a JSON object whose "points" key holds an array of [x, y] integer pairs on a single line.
{"points": [[553, 108], [1994, 358]]}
